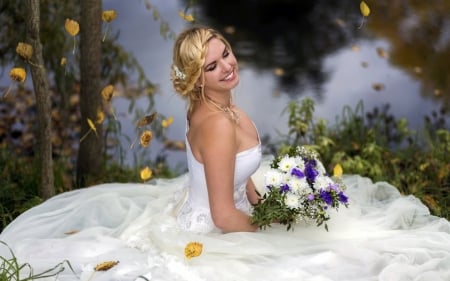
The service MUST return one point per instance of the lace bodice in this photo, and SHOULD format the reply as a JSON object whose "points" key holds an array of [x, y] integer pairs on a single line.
{"points": [[195, 214]]}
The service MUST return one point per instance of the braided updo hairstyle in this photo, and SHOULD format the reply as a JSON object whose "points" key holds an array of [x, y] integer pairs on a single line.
{"points": [[188, 60]]}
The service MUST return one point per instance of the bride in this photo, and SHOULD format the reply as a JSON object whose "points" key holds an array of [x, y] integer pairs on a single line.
{"points": [[147, 231]]}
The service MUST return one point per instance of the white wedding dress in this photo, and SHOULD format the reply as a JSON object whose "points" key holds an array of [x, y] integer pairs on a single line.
{"points": [[145, 227]]}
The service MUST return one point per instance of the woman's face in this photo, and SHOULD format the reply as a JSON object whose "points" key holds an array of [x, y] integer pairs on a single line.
{"points": [[221, 68]]}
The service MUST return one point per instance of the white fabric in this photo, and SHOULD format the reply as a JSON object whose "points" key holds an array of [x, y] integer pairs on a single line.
{"points": [[195, 212], [381, 236]]}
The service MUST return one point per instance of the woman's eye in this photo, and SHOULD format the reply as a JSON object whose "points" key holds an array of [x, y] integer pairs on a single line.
{"points": [[226, 53], [211, 68]]}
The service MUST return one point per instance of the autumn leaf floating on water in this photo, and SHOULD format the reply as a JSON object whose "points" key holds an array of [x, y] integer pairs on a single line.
{"points": [[73, 28], [193, 249], [365, 11], [104, 266], [108, 16]]}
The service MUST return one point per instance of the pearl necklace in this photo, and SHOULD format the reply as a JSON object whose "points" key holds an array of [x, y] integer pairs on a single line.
{"points": [[225, 108]]}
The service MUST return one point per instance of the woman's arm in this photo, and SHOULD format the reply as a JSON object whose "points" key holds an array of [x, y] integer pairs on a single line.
{"points": [[252, 196], [218, 147]]}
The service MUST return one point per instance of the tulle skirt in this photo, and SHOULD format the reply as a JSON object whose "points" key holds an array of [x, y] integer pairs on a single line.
{"points": [[381, 236]]}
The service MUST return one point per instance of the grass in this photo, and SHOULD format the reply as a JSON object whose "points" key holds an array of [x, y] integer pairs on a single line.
{"points": [[12, 270]]}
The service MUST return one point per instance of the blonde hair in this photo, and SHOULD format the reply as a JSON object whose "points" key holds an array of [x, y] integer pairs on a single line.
{"points": [[188, 60]]}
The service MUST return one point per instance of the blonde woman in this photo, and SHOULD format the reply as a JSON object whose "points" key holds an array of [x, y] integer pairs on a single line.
{"points": [[223, 147]]}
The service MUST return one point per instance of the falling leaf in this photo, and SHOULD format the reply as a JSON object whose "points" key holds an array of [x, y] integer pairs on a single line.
{"points": [[382, 52], [365, 11], [146, 173], [189, 18], [229, 29], [364, 8], [148, 119], [278, 71], [71, 232], [18, 74], [91, 129], [418, 70], [72, 27], [92, 125], [355, 48], [437, 92], [167, 122], [378, 86], [100, 117], [24, 50], [109, 15], [337, 170], [364, 64], [175, 145], [146, 138], [193, 249], [63, 61], [107, 92], [105, 265]]}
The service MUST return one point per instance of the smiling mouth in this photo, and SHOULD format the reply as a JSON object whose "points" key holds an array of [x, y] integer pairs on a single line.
{"points": [[229, 76]]}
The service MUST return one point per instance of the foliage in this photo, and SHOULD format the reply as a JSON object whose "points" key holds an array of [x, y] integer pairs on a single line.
{"points": [[12, 270], [379, 146]]}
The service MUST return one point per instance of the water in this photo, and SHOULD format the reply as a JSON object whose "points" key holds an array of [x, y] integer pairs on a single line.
{"points": [[318, 46]]}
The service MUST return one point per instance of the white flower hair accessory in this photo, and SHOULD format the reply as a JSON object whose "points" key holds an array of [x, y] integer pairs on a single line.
{"points": [[178, 73]]}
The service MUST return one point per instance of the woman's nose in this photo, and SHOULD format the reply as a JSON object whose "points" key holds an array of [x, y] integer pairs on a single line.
{"points": [[226, 66]]}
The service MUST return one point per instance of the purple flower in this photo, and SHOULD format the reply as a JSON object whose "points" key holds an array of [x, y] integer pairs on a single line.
{"points": [[284, 188], [342, 198], [310, 197], [334, 187], [310, 170], [326, 197], [298, 173]]}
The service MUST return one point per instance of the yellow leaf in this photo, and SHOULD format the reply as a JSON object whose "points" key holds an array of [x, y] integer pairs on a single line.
{"points": [[107, 92], [63, 61], [167, 122], [100, 117], [24, 50], [92, 125], [193, 249], [146, 173], [365, 10], [18, 74], [147, 119], [337, 170], [189, 18], [109, 15], [105, 265], [72, 27], [146, 138]]}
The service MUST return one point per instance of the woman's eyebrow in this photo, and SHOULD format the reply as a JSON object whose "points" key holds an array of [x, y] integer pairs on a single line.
{"points": [[213, 62]]}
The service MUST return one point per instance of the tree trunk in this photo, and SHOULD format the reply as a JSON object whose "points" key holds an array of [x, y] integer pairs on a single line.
{"points": [[42, 93], [90, 152]]}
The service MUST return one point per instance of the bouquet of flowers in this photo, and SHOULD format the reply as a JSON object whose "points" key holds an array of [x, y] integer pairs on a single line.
{"points": [[297, 187]]}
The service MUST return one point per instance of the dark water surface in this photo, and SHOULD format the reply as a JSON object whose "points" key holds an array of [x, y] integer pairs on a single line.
{"points": [[289, 50]]}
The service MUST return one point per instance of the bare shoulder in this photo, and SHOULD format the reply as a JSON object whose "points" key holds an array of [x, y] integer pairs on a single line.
{"points": [[213, 134]]}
